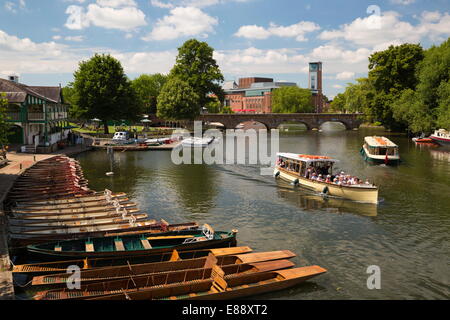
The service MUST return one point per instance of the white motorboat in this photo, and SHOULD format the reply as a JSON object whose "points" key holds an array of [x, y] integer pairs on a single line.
{"points": [[197, 142]]}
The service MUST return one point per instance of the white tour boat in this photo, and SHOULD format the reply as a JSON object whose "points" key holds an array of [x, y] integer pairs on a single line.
{"points": [[441, 136], [380, 150], [316, 173]]}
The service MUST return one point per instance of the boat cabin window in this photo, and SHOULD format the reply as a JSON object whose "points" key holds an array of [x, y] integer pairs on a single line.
{"points": [[380, 151]]}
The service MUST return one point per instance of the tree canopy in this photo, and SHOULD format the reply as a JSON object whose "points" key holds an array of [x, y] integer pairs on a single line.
{"points": [[148, 88], [291, 100], [4, 125], [178, 101], [196, 66], [103, 91], [407, 88]]}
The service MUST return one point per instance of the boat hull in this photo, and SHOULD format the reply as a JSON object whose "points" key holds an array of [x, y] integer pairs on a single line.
{"points": [[441, 141], [362, 194], [228, 241], [392, 160]]}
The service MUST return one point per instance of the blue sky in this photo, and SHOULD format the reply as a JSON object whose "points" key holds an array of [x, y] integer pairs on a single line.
{"points": [[43, 40]]}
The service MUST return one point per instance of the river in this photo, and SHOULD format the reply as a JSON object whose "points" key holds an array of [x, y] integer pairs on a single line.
{"points": [[406, 234]]}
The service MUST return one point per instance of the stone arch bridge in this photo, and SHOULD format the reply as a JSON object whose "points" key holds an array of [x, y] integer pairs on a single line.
{"points": [[274, 120]]}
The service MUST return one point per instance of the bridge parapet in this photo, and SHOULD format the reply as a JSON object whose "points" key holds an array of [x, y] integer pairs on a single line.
{"points": [[274, 120]]}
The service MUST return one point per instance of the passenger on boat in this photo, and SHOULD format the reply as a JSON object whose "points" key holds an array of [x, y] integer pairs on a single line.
{"points": [[328, 179]]}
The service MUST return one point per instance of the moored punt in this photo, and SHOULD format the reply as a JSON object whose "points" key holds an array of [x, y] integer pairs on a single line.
{"points": [[96, 196], [70, 211], [55, 219], [57, 207], [294, 168], [21, 239], [136, 244], [380, 150], [147, 282], [124, 271], [54, 227], [100, 263], [221, 287]]}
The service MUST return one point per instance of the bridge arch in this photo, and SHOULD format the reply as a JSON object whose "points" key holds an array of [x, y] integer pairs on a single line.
{"points": [[345, 125], [293, 123], [252, 123]]}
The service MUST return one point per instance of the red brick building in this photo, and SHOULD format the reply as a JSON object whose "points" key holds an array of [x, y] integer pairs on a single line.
{"points": [[252, 94]]}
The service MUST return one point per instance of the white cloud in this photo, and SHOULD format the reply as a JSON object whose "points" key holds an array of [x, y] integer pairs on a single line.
{"points": [[381, 31], [109, 14], [182, 21], [337, 86], [345, 75], [403, 2], [74, 38], [296, 31], [161, 4], [56, 37], [117, 3], [191, 3], [252, 32]]}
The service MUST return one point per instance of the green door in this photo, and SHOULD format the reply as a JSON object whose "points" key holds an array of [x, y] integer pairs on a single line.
{"points": [[15, 135]]}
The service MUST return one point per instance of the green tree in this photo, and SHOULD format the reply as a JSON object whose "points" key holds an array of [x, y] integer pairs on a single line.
{"points": [[148, 88], [4, 125], [443, 109], [196, 66], [338, 103], [69, 96], [227, 110], [178, 101], [390, 72], [214, 105], [291, 100], [427, 106], [103, 91]]}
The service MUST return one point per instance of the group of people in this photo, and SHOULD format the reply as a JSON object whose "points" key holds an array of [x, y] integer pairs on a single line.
{"points": [[339, 179]]}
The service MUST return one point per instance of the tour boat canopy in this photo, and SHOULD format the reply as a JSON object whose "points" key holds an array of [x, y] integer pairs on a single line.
{"points": [[306, 158], [380, 142]]}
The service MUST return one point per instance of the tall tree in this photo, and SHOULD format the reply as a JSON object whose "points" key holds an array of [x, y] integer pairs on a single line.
{"points": [[291, 100], [196, 66], [178, 101], [103, 91], [4, 125], [148, 87]]}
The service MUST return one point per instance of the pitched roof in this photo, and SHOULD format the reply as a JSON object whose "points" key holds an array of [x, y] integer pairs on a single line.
{"points": [[17, 92]]}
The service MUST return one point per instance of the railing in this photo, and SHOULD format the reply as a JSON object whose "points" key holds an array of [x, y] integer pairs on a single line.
{"points": [[36, 116]]}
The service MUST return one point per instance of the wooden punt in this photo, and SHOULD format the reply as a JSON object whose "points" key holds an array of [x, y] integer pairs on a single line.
{"points": [[134, 244], [19, 240], [124, 271], [107, 226], [221, 287], [97, 263], [147, 282], [96, 196], [69, 211], [50, 196], [67, 218], [75, 223], [98, 203]]}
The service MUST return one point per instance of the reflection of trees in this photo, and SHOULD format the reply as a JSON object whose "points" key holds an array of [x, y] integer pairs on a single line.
{"points": [[195, 186], [125, 166]]}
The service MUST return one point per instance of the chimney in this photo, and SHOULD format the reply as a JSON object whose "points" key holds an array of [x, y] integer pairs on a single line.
{"points": [[13, 78]]}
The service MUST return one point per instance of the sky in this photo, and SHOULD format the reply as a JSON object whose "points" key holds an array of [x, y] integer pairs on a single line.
{"points": [[43, 41]]}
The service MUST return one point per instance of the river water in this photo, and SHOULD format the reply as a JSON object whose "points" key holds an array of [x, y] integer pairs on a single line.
{"points": [[406, 234]]}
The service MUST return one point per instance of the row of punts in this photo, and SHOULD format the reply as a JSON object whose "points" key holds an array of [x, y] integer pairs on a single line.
{"points": [[121, 253]]}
